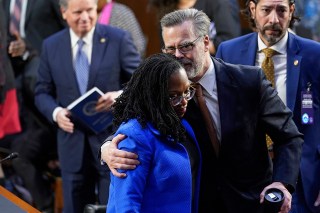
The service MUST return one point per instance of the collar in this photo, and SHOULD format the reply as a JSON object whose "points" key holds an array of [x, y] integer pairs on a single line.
{"points": [[208, 80], [280, 46], [87, 38]]}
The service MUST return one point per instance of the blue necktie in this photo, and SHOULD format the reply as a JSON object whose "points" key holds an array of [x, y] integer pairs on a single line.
{"points": [[15, 17], [82, 68]]}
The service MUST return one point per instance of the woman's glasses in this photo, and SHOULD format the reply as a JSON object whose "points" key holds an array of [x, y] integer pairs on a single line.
{"points": [[176, 100]]}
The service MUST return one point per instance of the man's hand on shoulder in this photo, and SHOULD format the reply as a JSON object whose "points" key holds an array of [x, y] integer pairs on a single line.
{"points": [[118, 159]]}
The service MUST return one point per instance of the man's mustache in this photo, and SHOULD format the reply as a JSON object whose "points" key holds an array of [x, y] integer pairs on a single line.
{"points": [[272, 27], [184, 61]]}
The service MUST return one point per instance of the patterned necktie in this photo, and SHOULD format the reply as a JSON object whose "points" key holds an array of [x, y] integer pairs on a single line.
{"points": [[267, 64], [15, 17], [207, 118], [268, 68], [82, 68]]}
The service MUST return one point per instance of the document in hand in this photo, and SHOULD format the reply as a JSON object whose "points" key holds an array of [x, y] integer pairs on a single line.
{"points": [[83, 112]]}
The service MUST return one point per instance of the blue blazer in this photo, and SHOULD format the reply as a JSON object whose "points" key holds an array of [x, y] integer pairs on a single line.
{"points": [[114, 59], [303, 67], [162, 182]]}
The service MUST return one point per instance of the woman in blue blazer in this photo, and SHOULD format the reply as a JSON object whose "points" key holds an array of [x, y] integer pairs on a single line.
{"points": [[149, 112]]}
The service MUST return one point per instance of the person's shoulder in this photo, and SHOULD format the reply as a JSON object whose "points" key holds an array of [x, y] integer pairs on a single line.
{"points": [[56, 37], [133, 127], [239, 40], [136, 132], [304, 43], [232, 49], [221, 64], [237, 72], [110, 30], [132, 124], [121, 7]]}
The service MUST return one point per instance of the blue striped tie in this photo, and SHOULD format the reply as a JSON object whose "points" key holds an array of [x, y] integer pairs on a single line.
{"points": [[82, 68], [15, 17]]}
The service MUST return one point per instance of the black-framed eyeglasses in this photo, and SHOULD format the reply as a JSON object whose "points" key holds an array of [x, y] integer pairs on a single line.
{"points": [[176, 100], [184, 48]]}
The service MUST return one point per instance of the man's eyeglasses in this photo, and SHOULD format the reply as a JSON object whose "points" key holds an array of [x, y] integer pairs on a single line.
{"points": [[184, 48], [176, 100]]}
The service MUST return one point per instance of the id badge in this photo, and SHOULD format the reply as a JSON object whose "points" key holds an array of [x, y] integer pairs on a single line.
{"points": [[306, 107]]}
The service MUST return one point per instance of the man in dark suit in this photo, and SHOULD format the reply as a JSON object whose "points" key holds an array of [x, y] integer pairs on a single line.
{"points": [[9, 111], [39, 19], [243, 107], [36, 144], [112, 58], [297, 72]]}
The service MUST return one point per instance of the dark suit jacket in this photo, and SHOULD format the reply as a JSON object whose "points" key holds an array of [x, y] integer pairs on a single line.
{"points": [[9, 111], [303, 67], [43, 18], [114, 58], [249, 108]]}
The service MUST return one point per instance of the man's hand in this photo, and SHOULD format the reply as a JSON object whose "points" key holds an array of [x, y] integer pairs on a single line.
{"points": [[17, 47], [118, 159], [105, 102], [317, 202], [286, 206], [64, 121]]}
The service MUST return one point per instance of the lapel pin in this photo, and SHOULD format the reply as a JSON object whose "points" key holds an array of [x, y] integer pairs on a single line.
{"points": [[102, 40], [296, 62]]}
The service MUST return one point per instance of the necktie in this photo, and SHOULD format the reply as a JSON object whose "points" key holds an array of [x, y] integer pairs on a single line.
{"points": [[82, 68], [207, 118], [267, 64], [15, 17], [268, 68]]}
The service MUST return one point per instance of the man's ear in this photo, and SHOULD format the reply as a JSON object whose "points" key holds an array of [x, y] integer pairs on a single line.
{"points": [[63, 11], [206, 41], [292, 9], [252, 7]]}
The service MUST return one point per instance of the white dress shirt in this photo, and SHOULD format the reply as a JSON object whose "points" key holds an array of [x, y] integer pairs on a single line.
{"points": [[280, 64], [87, 48]]}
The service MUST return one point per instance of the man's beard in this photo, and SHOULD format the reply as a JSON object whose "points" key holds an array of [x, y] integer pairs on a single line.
{"points": [[192, 68], [272, 39]]}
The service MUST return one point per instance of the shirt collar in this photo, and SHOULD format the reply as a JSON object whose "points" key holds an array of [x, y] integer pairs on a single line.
{"points": [[87, 38], [208, 80], [280, 46]]}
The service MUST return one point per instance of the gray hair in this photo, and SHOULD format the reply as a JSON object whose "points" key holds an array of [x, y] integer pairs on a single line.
{"points": [[200, 20], [64, 3]]}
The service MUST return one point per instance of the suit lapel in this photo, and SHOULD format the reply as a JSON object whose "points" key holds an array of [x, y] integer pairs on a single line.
{"points": [[227, 97], [293, 71], [249, 53], [99, 44], [66, 59], [6, 6], [30, 5]]}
